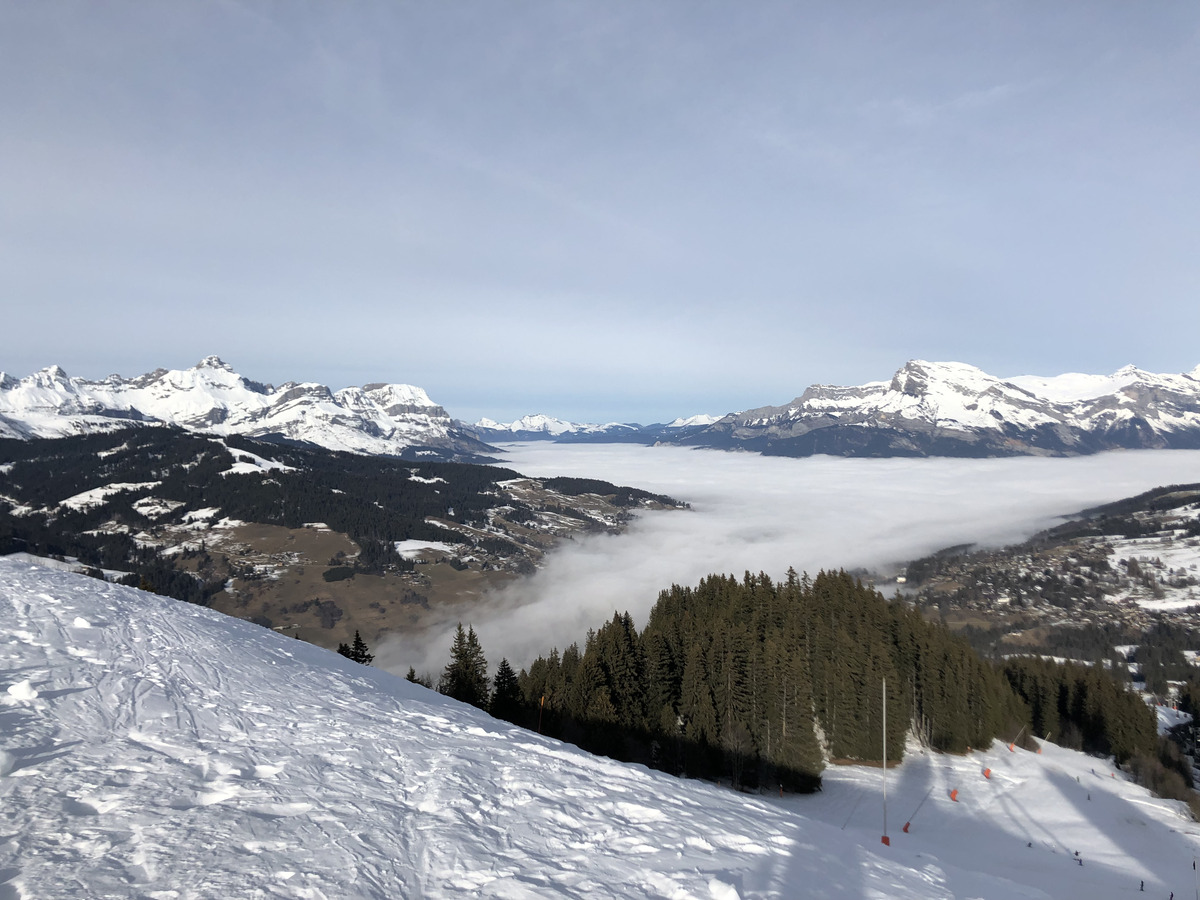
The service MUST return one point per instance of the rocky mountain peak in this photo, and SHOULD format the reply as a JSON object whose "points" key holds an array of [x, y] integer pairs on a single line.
{"points": [[210, 397]]}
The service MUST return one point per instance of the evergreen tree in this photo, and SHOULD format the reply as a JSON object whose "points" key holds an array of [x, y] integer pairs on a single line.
{"points": [[357, 651], [696, 701], [423, 680], [506, 694], [465, 677]]}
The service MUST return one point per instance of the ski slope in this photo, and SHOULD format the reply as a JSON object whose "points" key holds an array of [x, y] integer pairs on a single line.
{"points": [[151, 749]]}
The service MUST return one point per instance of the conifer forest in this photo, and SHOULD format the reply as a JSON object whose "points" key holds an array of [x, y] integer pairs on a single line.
{"points": [[755, 683]]}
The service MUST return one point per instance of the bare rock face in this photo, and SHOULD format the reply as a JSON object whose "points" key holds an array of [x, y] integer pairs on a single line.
{"points": [[210, 397]]}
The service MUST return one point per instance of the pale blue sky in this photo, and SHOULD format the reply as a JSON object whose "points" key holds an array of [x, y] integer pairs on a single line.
{"points": [[617, 210]]}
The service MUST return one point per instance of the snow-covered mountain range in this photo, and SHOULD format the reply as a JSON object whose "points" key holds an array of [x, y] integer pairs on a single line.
{"points": [[151, 749], [953, 409], [933, 409], [383, 419], [547, 428], [925, 409], [541, 427]]}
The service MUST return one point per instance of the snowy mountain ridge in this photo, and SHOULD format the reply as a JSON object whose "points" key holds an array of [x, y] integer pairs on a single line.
{"points": [[925, 409], [929, 409], [156, 749], [210, 397], [547, 428], [539, 426], [954, 409]]}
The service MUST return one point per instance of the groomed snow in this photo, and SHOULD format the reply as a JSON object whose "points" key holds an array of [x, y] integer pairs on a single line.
{"points": [[152, 749], [1169, 717]]}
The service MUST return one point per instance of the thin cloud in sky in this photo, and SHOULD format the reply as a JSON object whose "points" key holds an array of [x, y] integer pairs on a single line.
{"points": [[1007, 185], [755, 513]]}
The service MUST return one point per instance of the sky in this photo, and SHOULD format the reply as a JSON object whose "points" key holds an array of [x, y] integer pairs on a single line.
{"points": [[620, 211], [765, 514]]}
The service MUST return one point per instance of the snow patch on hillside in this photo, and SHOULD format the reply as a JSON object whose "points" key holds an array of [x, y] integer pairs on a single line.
{"points": [[1074, 386], [413, 548], [97, 496], [693, 421]]}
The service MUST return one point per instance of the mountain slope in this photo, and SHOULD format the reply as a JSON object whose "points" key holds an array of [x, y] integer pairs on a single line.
{"points": [[323, 543], [384, 419], [156, 749], [953, 409]]}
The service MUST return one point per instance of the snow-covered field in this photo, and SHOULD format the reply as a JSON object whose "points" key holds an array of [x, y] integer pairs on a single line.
{"points": [[1174, 560], [152, 749]]}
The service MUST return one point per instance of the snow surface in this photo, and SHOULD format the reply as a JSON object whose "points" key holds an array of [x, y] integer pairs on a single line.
{"points": [[413, 547], [1177, 555], [1169, 717], [66, 564], [694, 421], [1074, 386], [414, 477], [97, 496], [247, 463], [153, 749]]}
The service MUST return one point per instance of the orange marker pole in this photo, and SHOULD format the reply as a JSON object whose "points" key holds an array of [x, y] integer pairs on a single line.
{"points": [[1014, 740], [918, 809]]}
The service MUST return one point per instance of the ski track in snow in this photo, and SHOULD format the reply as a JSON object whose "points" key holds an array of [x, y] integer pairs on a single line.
{"points": [[152, 749]]}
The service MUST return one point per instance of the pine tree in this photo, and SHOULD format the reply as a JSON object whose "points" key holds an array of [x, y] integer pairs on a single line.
{"points": [[465, 677], [696, 701], [423, 680], [506, 694], [357, 651], [662, 674]]}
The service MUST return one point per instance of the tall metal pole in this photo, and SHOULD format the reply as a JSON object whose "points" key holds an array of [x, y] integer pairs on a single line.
{"points": [[885, 834]]}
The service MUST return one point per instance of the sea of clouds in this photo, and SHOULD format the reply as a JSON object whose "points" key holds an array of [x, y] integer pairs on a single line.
{"points": [[758, 513]]}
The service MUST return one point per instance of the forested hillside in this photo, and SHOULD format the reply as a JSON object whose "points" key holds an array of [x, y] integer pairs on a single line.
{"points": [[758, 683], [141, 501], [1083, 707], [755, 681]]}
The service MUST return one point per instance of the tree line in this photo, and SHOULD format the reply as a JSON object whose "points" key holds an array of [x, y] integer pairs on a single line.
{"points": [[1083, 707], [752, 681]]}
